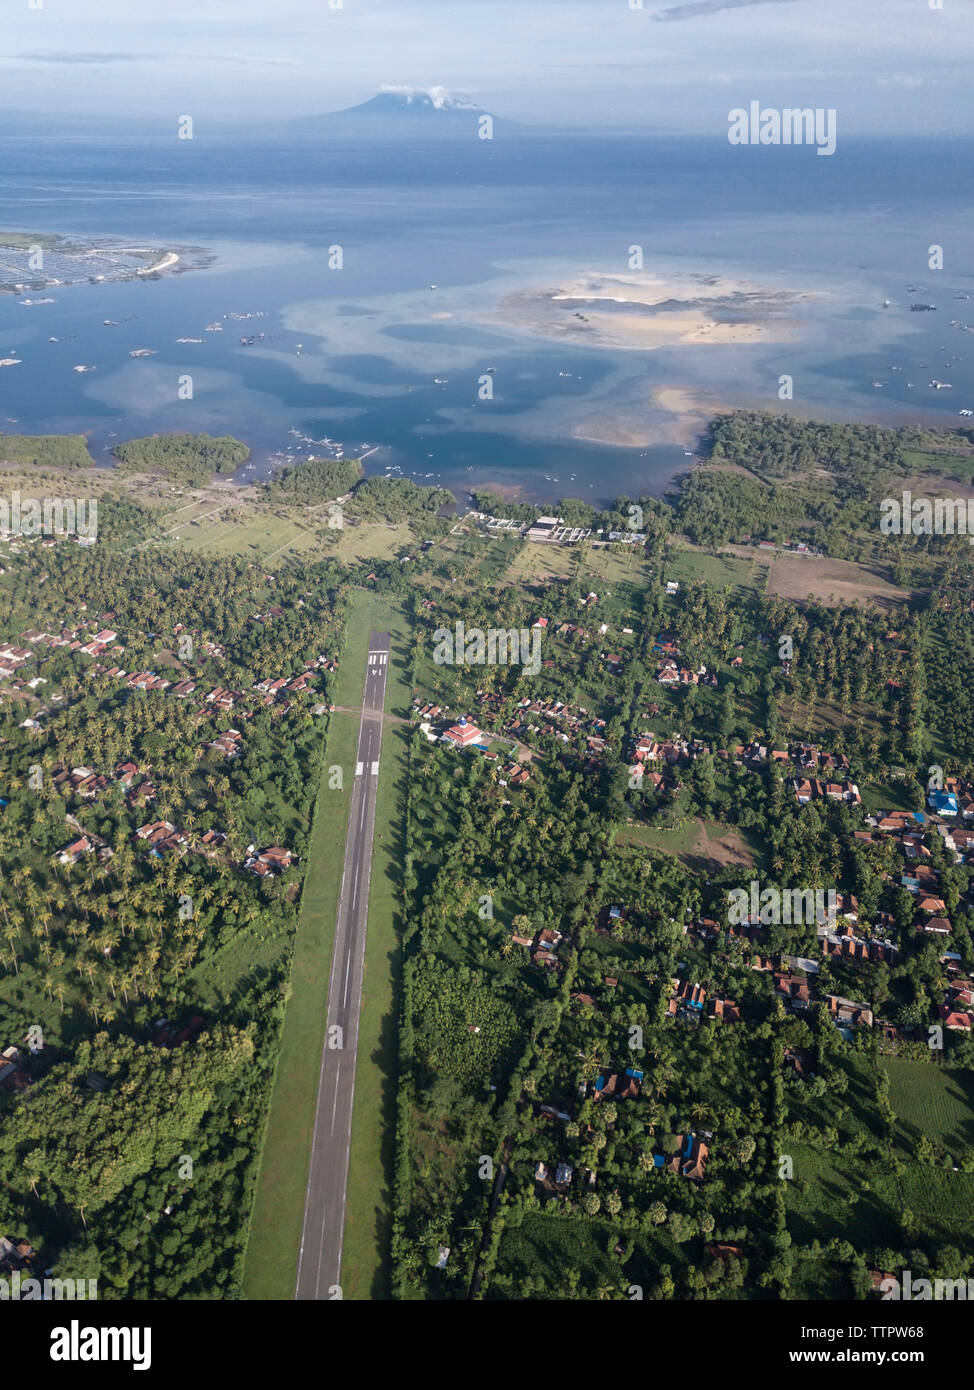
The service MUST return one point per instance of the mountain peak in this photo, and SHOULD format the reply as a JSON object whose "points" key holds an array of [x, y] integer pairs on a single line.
{"points": [[434, 98], [401, 112]]}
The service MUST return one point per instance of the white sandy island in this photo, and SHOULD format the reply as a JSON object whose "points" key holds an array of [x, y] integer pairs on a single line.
{"points": [[168, 261], [644, 311]]}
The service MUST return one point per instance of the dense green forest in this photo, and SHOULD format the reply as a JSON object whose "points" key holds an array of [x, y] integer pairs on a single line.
{"points": [[191, 459], [46, 450], [314, 480]]}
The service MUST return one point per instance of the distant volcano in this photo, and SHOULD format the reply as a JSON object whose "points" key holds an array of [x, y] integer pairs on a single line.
{"points": [[405, 112]]}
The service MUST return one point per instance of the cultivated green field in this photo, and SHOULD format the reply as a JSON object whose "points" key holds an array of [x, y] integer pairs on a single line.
{"points": [[931, 1100], [822, 1204]]}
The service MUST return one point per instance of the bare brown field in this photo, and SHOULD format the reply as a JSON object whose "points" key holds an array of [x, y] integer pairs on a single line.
{"points": [[700, 846], [832, 582]]}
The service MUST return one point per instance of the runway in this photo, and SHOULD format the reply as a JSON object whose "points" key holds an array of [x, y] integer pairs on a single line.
{"points": [[320, 1258]]}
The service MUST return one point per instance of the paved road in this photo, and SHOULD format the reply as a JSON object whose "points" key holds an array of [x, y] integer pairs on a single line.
{"points": [[320, 1259]]}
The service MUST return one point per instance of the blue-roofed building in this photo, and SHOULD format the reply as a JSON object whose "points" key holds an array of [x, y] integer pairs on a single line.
{"points": [[943, 803]]}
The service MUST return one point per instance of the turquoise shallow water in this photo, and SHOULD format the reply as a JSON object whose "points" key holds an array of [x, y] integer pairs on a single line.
{"points": [[352, 357]]}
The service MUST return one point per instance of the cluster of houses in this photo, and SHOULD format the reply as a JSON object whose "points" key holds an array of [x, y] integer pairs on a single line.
{"points": [[688, 1001], [648, 753], [560, 1179], [94, 639], [797, 988], [229, 743], [620, 1085], [919, 878], [960, 841], [670, 673], [12, 658], [793, 547], [843, 944], [807, 790], [543, 947], [90, 785], [77, 638], [161, 837], [808, 758], [560, 721]]}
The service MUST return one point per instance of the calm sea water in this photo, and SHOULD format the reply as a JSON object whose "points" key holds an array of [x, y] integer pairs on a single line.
{"points": [[352, 355]]}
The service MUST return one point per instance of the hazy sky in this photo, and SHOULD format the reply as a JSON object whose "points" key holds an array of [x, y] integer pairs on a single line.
{"points": [[885, 65]]}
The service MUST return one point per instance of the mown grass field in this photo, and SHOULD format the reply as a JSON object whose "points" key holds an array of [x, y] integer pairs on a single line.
{"points": [[947, 465], [279, 1207], [931, 1100], [256, 536], [373, 540], [725, 572]]}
